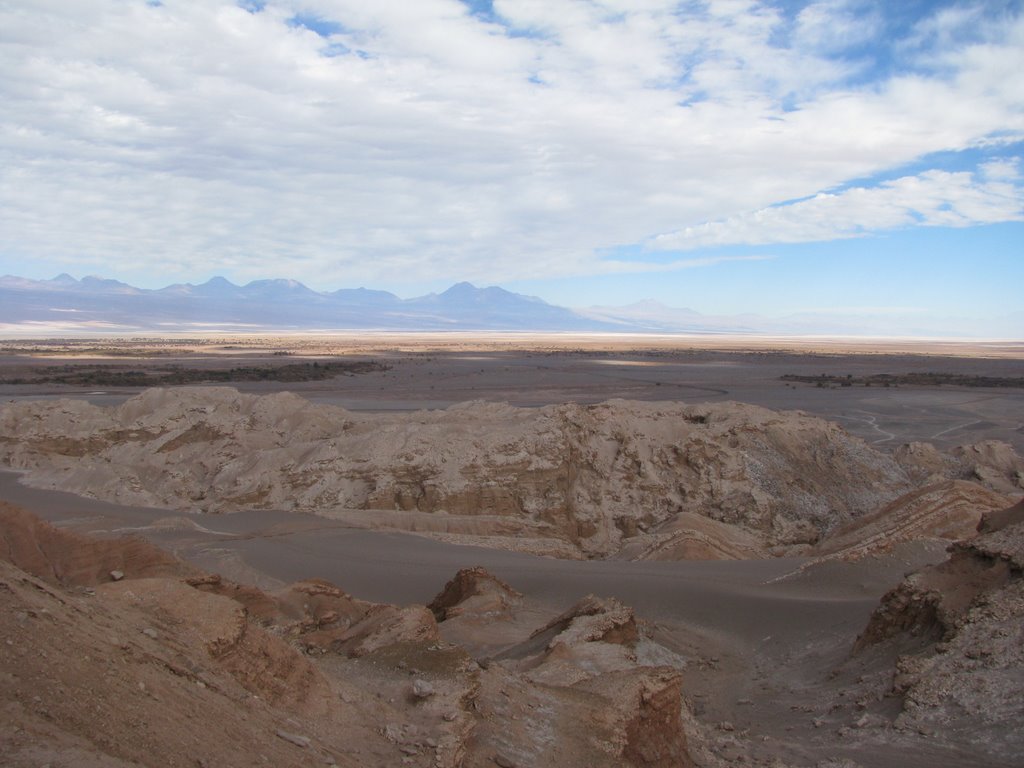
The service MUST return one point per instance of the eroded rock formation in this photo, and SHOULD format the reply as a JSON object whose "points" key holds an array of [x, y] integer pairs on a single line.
{"points": [[959, 630], [561, 479], [950, 510], [168, 665], [477, 592]]}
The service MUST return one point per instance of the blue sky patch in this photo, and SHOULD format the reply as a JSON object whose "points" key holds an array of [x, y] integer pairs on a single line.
{"points": [[607, 152], [957, 161], [335, 49], [482, 9], [322, 27]]}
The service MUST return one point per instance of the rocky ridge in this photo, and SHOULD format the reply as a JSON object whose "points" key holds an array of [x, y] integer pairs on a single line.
{"points": [[947, 510], [991, 463], [958, 637], [166, 665], [655, 480]]}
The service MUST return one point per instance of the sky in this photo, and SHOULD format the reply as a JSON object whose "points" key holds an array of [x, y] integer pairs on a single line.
{"points": [[777, 157]]}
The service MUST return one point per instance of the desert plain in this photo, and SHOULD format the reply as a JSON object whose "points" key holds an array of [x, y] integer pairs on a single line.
{"points": [[513, 550]]}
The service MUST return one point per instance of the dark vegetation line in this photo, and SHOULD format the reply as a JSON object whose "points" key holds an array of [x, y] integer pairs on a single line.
{"points": [[908, 379], [117, 376]]}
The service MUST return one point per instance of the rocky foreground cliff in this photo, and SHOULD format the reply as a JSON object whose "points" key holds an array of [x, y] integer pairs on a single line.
{"points": [[957, 632], [633, 479], [115, 654]]}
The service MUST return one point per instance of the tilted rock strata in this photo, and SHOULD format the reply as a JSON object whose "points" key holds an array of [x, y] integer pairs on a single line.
{"points": [[592, 477], [592, 649], [960, 627], [950, 510], [594, 635], [322, 618]]}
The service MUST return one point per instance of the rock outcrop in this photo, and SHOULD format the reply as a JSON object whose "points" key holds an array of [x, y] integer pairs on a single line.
{"points": [[597, 647], [594, 635], [475, 591], [950, 510], [174, 666], [565, 479], [69, 559], [991, 463], [321, 618], [959, 629]]}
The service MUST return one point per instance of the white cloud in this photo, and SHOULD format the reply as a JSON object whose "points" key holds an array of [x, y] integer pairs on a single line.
{"points": [[934, 198], [836, 25], [190, 134]]}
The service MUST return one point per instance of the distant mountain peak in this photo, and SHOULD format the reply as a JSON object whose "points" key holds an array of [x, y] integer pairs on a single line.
{"points": [[278, 303], [280, 289], [362, 296], [461, 289], [467, 292], [281, 282], [217, 280], [215, 286], [95, 282]]}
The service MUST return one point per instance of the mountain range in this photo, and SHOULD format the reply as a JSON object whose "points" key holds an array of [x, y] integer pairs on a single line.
{"points": [[95, 304]]}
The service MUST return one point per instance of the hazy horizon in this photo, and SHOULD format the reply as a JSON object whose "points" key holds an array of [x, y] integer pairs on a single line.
{"points": [[76, 311]]}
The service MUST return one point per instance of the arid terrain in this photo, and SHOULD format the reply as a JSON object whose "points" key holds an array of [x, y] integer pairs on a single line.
{"points": [[515, 552], [439, 370]]}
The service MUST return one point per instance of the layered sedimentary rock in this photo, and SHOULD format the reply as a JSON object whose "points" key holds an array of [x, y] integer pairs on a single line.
{"points": [[948, 510], [647, 480], [595, 669], [561, 479], [476, 592], [959, 630]]}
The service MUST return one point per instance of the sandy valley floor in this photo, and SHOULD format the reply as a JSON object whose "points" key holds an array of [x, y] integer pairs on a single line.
{"points": [[438, 370], [767, 643]]}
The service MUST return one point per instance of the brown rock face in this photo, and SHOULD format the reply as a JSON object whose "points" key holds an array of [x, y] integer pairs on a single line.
{"points": [[66, 558], [97, 680], [991, 463], [164, 670], [261, 662], [566, 479], [949, 510], [996, 521], [653, 733], [474, 590], [960, 627]]}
